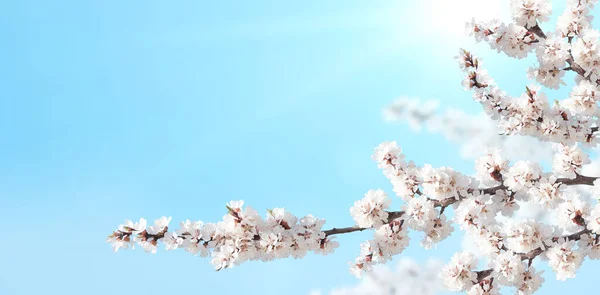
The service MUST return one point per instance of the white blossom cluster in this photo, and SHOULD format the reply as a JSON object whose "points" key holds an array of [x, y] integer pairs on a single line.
{"points": [[475, 134], [527, 13], [370, 211], [576, 18], [571, 120], [242, 235], [389, 240], [483, 205], [569, 160], [509, 246]]}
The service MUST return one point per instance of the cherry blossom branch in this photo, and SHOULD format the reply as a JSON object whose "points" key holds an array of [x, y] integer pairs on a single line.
{"points": [[427, 192], [538, 251], [566, 122], [192, 237], [573, 66], [578, 180], [531, 255]]}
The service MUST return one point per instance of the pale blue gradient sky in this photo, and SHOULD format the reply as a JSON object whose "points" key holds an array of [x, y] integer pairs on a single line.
{"points": [[113, 110]]}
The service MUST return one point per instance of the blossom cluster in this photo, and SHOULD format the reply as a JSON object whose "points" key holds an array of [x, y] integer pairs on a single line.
{"points": [[508, 246], [242, 235], [574, 119], [567, 121]]}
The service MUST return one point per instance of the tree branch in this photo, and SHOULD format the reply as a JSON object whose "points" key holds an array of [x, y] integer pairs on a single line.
{"points": [[482, 274], [537, 31], [578, 180], [573, 66], [344, 230]]}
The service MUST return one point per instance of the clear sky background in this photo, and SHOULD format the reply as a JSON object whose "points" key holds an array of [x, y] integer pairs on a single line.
{"points": [[114, 110]]}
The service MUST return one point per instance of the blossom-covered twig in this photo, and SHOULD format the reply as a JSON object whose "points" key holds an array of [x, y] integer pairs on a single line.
{"points": [[529, 256]]}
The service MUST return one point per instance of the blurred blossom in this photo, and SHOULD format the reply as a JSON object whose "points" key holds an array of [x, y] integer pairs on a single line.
{"points": [[407, 278], [473, 133]]}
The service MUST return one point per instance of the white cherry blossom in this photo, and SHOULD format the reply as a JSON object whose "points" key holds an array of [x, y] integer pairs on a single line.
{"points": [[458, 275], [370, 211]]}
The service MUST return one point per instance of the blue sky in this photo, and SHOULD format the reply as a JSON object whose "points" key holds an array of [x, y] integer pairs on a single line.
{"points": [[114, 110]]}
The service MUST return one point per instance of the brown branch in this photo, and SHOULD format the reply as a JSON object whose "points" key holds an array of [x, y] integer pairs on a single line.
{"points": [[344, 230], [573, 66], [579, 179], [482, 274], [537, 31]]}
